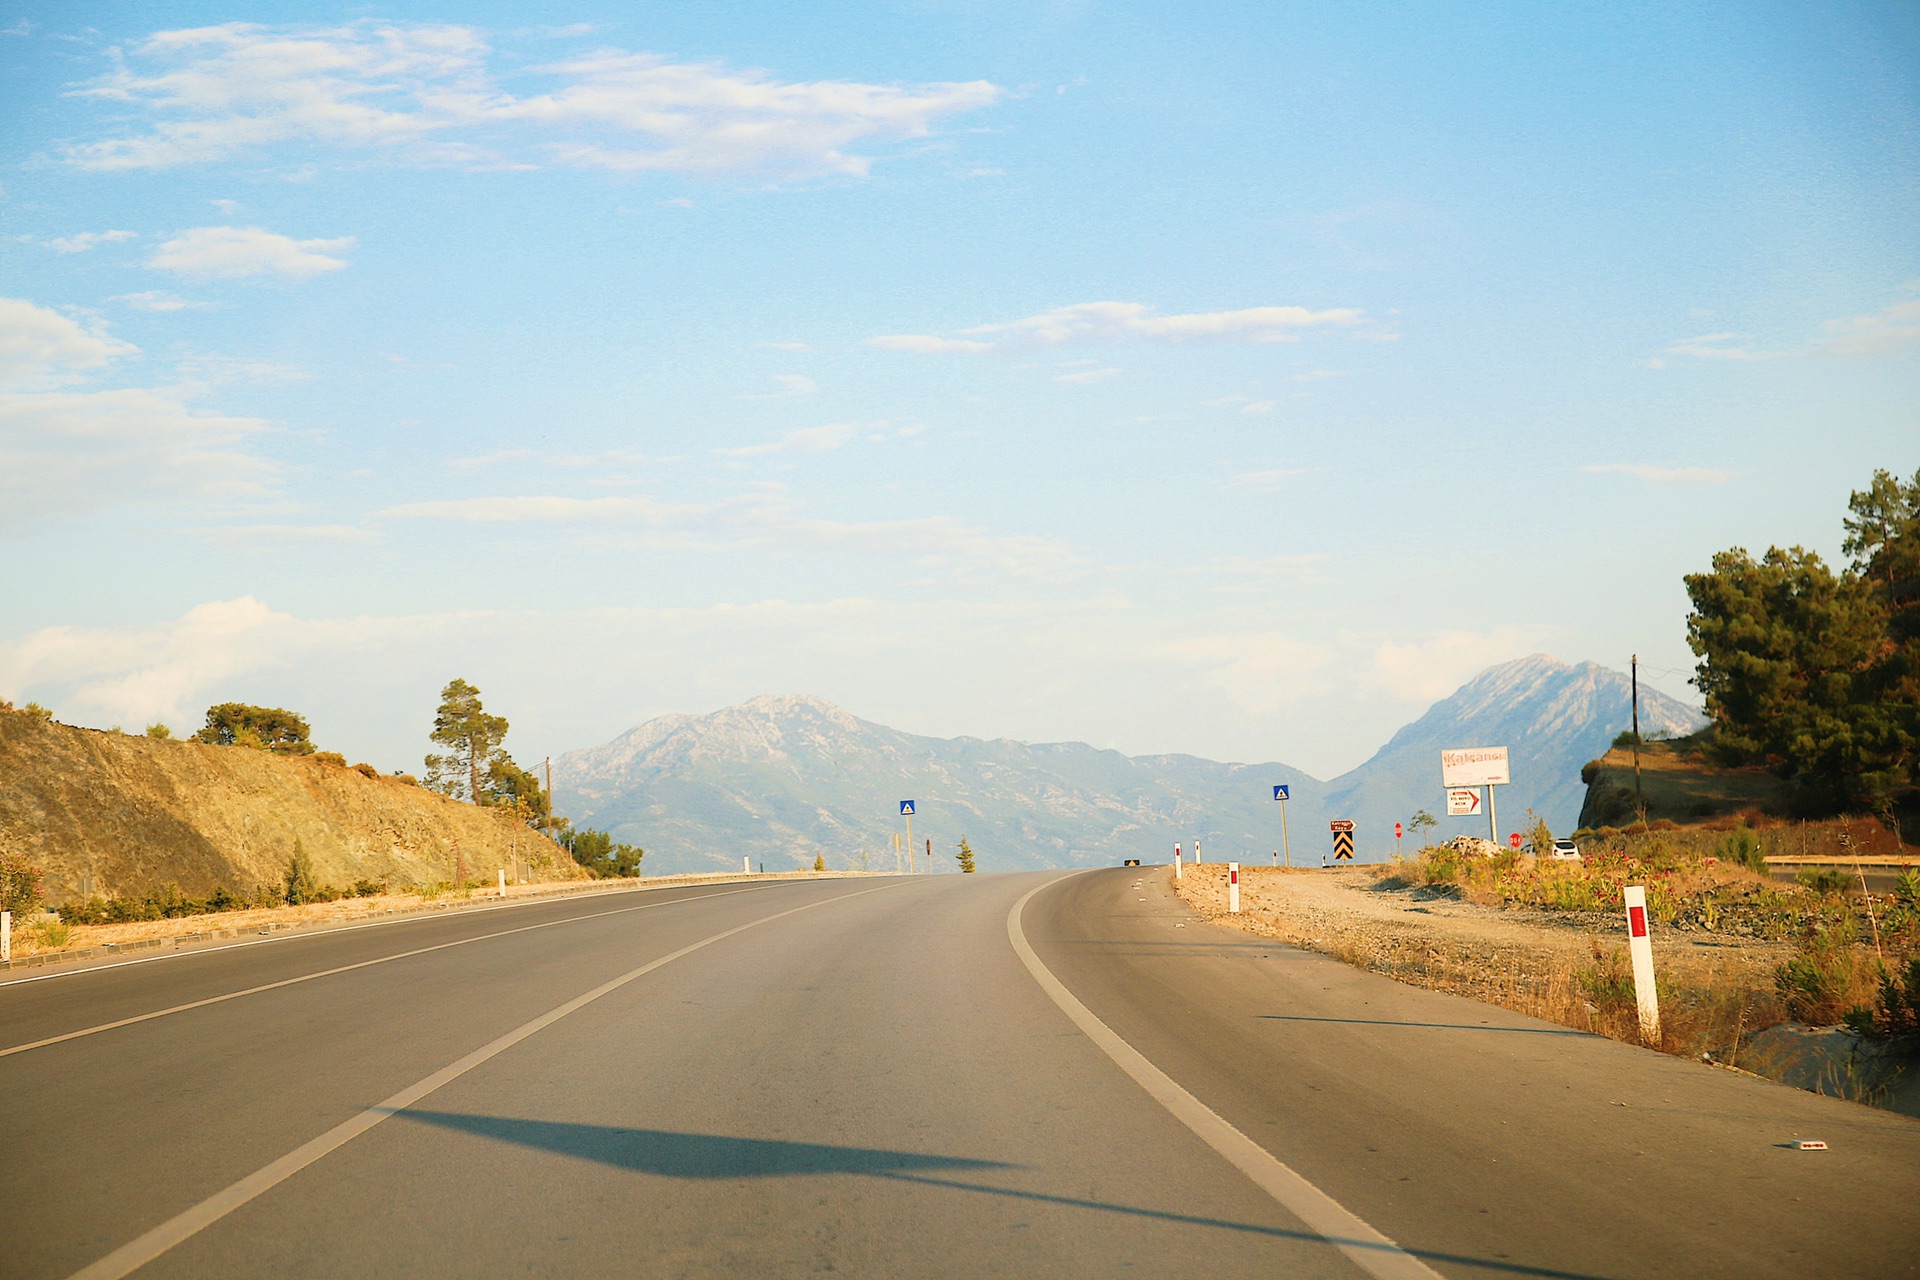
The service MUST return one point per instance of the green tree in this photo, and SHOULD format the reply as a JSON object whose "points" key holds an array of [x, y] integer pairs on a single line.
{"points": [[965, 856], [471, 737], [819, 862], [1787, 652], [275, 729], [604, 859], [19, 884], [299, 878], [1420, 823]]}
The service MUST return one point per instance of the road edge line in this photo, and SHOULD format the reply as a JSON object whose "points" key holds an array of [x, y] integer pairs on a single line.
{"points": [[1368, 1249], [183, 1226]]}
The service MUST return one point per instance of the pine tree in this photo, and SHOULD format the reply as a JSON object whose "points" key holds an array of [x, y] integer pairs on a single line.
{"points": [[965, 856], [471, 737], [819, 862]]}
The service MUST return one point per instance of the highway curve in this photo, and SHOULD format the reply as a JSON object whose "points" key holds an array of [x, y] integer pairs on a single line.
{"points": [[867, 1077]]}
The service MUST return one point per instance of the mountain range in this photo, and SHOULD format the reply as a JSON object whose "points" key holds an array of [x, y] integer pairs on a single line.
{"points": [[779, 780]]}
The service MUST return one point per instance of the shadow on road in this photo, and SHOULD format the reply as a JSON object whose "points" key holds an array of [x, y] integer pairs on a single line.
{"points": [[705, 1155], [1437, 1026], [690, 1155]]}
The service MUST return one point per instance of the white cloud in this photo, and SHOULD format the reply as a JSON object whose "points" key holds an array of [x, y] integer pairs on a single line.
{"points": [[923, 344], [790, 385], [38, 345], [425, 93], [86, 240], [1893, 329], [63, 453], [275, 535], [244, 252], [1721, 346], [157, 300], [1425, 670], [1117, 322], [804, 440], [1088, 375], [1662, 475], [1262, 481]]}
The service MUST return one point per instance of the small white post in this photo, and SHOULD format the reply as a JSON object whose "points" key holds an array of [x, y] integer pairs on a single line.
{"points": [[1197, 859], [6, 935], [746, 865], [1640, 947], [1233, 888], [503, 882], [1176, 862]]}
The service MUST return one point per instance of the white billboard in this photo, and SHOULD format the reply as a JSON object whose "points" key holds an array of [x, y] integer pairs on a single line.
{"points": [[1474, 767]]}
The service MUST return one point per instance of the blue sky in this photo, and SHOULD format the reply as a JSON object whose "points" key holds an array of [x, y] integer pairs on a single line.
{"points": [[1235, 383]]}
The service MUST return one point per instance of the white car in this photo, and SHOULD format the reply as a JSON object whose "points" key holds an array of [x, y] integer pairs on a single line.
{"points": [[1565, 851]]}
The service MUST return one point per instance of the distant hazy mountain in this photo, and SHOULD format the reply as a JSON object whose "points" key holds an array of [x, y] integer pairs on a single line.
{"points": [[1551, 716], [781, 779]]}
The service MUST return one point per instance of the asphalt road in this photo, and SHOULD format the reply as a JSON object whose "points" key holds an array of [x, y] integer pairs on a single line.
{"points": [[865, 1078]]}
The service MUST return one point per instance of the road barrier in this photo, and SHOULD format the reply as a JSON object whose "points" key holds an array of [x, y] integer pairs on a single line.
{"points": [[1640, 948]]}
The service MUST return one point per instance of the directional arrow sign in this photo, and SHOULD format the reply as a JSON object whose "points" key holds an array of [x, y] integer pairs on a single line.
{"points": [[1463, 802], [1280, 793], [1341, 824]]}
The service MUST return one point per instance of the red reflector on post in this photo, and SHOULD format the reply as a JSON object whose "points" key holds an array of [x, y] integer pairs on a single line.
{"points": [[1637, 921], [1236, 875]]}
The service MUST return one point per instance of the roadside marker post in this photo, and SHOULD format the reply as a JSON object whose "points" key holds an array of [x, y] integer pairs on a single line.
{"points": [[6, 935], [746, 865], [503, 882], [1233, 888], [1197, 859], [1176, 862], [1640, 948], [1396, 840]]}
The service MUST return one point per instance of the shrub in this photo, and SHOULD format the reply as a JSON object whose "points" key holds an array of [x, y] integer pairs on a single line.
{"points": [[268, 728], [1906, 886], [301, 886], [330, 757], [55, 933], [158, 730], [366, 770], [1823, 879], [1818, 983], [1895, 1013], [364, 888], [819, 862], [37, 711], [19, 884], [1742, 848]]}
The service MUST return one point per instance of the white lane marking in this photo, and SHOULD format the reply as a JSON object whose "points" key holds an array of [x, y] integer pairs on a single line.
{"points": [[346, 968], [409, 917], [138, 1252], [1371, 1251]]}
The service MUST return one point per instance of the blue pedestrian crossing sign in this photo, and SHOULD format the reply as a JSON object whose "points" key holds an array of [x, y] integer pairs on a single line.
{"points": [[1280, 793], [906, 808]]}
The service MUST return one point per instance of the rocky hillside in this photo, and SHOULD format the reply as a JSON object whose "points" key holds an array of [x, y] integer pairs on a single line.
{"points": [[123, 815], [783, 779]]}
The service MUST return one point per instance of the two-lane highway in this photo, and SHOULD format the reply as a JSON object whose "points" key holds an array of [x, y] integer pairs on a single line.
{"points": [[866, 1077]]}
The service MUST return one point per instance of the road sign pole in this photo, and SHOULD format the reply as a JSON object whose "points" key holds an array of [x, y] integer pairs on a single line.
{"points": [[1493, 822], [1233, 888], [1285, 845], [1640, 948], [910, 842]]}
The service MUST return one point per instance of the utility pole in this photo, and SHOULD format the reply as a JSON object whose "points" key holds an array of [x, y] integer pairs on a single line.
{"points": [[1639, 796]]}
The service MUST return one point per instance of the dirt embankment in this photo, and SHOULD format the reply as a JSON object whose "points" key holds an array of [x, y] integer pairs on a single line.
{"points": [[111, 814], [1716, 988]]}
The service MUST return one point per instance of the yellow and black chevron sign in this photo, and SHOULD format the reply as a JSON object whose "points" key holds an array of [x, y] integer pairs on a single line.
{"points": [[1343, 845]]}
